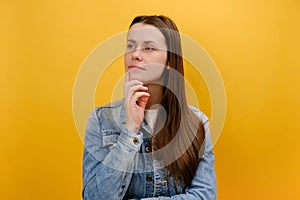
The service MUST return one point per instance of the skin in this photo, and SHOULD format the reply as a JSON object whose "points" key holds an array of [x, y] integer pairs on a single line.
{"points": [[145, 61]]}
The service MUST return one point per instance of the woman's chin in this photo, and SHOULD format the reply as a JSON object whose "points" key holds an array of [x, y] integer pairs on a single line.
{"points": [[135, 76], [145, 80]]}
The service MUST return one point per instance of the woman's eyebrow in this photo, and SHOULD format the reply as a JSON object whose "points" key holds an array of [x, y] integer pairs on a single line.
{"points": [[146, 42], [130, 40]]}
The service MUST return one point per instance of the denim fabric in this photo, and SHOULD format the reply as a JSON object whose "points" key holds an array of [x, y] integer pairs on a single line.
{"points": [[116, 164]]}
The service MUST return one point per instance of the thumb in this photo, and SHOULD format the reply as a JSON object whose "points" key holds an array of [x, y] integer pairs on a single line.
{"points": [[143, 101]]}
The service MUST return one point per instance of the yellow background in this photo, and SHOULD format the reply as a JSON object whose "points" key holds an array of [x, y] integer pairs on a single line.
{"points": [[255, 45]]}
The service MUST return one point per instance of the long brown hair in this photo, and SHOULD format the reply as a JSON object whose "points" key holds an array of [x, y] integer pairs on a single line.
{"points": [[180, 142]]}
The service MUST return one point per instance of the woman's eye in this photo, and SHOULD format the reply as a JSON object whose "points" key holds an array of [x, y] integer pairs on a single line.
{"points": [[149, 49], [130, 46]]}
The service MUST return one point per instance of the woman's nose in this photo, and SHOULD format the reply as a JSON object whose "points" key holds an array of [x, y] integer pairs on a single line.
{"points": [[136, 54]]}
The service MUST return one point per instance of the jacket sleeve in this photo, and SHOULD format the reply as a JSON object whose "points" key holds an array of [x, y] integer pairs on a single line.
{"points": [[106, 166], [203, 186]]}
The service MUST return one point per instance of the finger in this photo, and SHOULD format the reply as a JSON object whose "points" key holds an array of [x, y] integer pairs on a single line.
{"points": [[133, 82], [143, 101], [127, 77], [137, 95], [129, 84], [125, 83], [134, 89]]}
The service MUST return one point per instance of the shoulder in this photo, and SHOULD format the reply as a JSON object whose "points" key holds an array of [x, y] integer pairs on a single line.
{"points": [[111, 112], [112, 107], [203, 118], [205, 121]]}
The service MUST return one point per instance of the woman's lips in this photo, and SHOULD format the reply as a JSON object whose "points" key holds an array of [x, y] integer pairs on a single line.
{"points": [[135, 67]]}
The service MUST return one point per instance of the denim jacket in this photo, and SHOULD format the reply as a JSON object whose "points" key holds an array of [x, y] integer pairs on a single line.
{"points": [[116, 164]]}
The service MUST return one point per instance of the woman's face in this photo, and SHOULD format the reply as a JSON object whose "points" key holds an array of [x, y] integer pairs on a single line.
{"points": [[146, 53]]}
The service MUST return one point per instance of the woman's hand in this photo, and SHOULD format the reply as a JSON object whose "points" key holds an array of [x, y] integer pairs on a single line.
{"points": [[135, 100]]}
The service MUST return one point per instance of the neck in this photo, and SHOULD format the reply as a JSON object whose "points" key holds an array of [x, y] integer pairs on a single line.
{"points": [[156, 93]]}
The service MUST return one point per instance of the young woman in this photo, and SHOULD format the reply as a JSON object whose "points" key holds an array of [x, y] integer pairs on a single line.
{"points": [[150, 144]]}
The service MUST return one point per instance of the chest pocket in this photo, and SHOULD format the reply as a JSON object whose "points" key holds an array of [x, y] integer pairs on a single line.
{"points": [[110, 137]]}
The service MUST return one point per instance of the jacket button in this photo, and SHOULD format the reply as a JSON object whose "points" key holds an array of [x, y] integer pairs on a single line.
{"points": [[135, 141], [148, 149], [123, 187], [148, 178]]}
